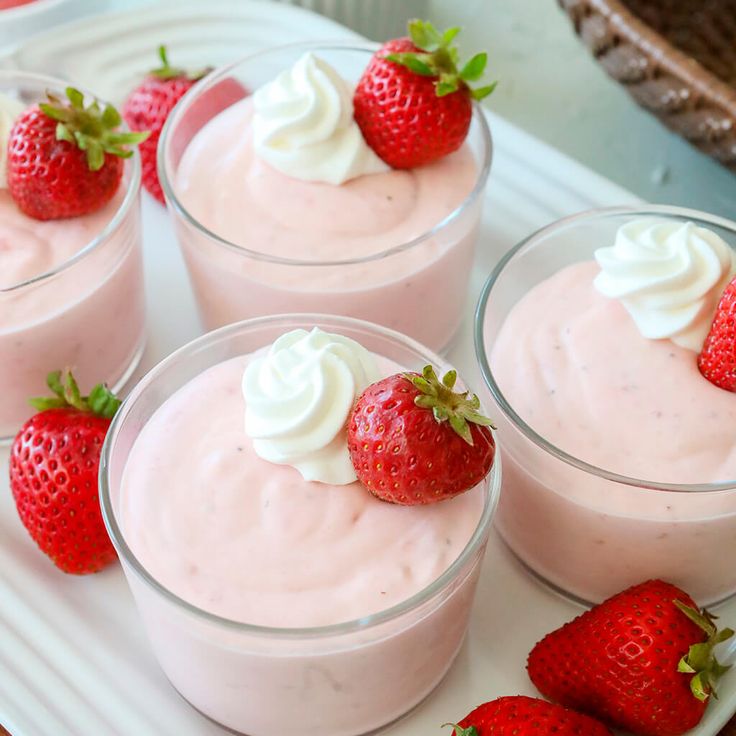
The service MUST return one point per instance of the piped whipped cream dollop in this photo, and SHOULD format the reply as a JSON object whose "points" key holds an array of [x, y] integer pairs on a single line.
{"points": [[298, 397], [669, 276], [303, 125], [10, 109]]}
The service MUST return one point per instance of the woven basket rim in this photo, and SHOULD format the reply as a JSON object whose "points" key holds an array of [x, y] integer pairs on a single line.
{"points": [[669, 57]]}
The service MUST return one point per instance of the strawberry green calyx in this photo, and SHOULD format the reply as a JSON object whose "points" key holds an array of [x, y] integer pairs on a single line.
{"points": [[439, 58], [459, 409], [460, 731], [700, 660], [166, 71], [92, 129], [101, 401]]}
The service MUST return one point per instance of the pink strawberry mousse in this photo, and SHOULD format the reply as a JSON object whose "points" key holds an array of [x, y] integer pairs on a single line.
{"points": [[573, 365], [236, 195], [88, 317], [252, 541], [255, 542]]}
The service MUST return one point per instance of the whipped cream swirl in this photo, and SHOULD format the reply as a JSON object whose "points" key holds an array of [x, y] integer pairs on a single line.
{"points": [[10, 109], [669, 276], [298, 397], [303, 125]]}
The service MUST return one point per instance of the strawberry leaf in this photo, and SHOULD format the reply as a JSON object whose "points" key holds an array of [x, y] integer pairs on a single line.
{"points": [[460, 731], [481, 93], [101, 400], [474, 69], [700, 660], [111, 117], [75, 97], [92, 128], [447, 405], [424, 35], [449, 36], [413, 62], [63, 134], [447, 85]]}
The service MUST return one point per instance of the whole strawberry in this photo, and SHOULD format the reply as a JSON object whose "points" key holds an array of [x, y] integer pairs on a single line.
{"points": [[519, 715], [413, 440], [642, 661], [65, 159], [54, 463], [717, 359], [148, 106], [412, 103]]}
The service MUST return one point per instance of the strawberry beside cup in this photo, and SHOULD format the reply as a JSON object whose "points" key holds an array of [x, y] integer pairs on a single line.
{"points": [[54, 466]]}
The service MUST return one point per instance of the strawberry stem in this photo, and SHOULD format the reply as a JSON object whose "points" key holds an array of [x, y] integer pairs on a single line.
{"points": [[458, 409], [101, 401], [437, 57], [92, 129], [701, 661], [166, 71]]}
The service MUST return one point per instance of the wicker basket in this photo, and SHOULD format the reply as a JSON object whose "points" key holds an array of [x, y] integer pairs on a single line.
{"points": [[677, 58]]}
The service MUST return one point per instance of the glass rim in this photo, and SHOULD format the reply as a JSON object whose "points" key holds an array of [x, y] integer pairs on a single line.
{"points": [[218, 74], [131, 194], [491, 490], [638, 210]]}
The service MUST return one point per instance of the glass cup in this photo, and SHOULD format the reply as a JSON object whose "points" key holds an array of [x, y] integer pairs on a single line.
{"points": [[339, 680], [86, 313], [417, 287], [585, 530]]}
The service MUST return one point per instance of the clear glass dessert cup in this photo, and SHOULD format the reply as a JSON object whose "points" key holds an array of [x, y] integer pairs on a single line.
{"points": [[86, 313], [584, 530], [417, 287], [338, 680]]}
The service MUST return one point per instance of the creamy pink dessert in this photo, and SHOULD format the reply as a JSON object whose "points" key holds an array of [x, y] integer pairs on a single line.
{"points": [[313, 216], [574, 365], [66, 301], [252, 540]]}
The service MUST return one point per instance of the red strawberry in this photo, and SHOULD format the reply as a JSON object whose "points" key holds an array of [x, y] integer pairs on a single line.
{"points": [[413, 440], [642, 661], [65, 159], [412, 103], [148, 106], [717, 359], [519, 715], [54, 463]]}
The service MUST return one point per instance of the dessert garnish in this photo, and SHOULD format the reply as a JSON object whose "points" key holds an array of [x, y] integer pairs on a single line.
{"points": [[65, 159], [148, 106], [520, 715], [414, 102], [298, 395], [414, 440], [54, 463], [668, 275], [642, 661], [717, 359], [303, 125]]}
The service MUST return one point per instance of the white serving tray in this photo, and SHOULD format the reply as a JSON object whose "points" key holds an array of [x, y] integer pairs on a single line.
{"points": [[74, 660]]}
